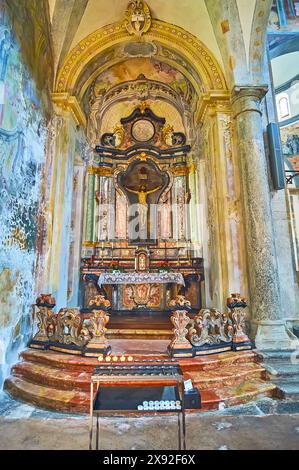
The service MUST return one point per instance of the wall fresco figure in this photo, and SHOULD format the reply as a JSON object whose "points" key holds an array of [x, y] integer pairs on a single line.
{"points": [[5, 47]]}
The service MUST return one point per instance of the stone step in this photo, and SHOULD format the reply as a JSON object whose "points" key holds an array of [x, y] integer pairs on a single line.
{"points": [[226, 376], [50, 398], [69, 362], [77, 401], [86, 364], [217, 360], [227, 396], [288, 390], [129, 333], [277, 356], [278, 370], [76, 379], [52, 377]]}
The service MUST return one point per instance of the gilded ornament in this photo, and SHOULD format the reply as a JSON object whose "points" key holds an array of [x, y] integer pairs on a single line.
{"points": [[138, 18]]}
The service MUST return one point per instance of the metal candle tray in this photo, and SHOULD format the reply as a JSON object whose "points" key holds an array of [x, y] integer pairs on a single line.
{"points": [[161, 370]]}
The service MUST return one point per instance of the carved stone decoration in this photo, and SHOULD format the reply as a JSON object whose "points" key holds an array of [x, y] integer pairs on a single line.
{"points": [[210, 327], [180, 303], [97, 322], [180, 345], [237, 305], [45, 304], [68, 328], [99, 301], [97, 328], [44, 318], [138, 18], [180, 320]]}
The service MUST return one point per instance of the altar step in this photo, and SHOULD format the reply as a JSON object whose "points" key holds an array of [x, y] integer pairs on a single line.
{"points": [[61, 382], [141, 325], [130, 333]]}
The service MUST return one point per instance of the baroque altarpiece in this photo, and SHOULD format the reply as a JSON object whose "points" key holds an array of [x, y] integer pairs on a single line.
{"points": [[138, 214]]}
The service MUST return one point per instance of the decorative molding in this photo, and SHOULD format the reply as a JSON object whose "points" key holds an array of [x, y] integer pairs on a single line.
{"points": [[193, 50], [100, 171], [69, 103]]}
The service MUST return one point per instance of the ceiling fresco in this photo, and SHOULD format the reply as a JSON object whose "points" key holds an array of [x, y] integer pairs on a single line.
{"points": [[151, 69]]}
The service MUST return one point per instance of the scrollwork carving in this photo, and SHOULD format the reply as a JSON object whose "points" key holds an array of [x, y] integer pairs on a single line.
{"points": [[68, 328], [210, 327], [180, 320], [237, 304]]}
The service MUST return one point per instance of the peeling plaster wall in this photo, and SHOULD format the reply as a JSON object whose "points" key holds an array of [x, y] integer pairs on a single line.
{"points": [[22, 150]]}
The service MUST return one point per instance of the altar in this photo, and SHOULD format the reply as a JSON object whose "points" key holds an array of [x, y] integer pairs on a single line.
{"points": [[140, 289]]}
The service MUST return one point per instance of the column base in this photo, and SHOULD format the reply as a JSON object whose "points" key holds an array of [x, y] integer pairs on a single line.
{"points": [[274, 335]]}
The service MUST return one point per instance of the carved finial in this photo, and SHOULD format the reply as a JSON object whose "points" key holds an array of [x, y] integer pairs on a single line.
{"points": [[138, 18]]}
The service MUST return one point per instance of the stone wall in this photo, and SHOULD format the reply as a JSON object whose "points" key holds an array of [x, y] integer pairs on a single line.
{"points": [[23, 134]]}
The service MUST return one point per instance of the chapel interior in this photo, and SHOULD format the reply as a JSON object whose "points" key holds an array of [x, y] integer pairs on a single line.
{"points": [[149, 193]]}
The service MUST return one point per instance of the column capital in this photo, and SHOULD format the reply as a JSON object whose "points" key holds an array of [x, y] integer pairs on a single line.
{"points": [[248, 98]]}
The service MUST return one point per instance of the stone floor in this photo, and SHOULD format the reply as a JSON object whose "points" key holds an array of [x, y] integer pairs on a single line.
{"points": [[265, 424]]}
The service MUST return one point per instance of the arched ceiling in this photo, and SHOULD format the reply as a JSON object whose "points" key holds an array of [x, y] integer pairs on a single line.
{"points": [[188, 14], [233, 30], [199, 48], [73, 20]]}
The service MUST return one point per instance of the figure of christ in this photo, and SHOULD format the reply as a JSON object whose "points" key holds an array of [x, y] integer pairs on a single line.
{"points": [[143, 209]]}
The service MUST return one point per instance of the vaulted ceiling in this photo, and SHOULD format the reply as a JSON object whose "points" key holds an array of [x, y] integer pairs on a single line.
{"points": [[73, 20]]}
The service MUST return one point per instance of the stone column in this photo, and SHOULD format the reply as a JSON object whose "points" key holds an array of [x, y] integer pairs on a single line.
{"points": [[265, 299], [89, 230]]}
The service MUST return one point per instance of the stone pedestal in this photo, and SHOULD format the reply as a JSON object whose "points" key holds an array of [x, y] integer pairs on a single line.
{"points": [[98, 344], [180, 346], [265, 298], [274, 335]]}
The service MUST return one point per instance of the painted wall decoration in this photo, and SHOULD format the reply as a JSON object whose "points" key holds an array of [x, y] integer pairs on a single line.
{"points": [[284, 15], [22, 149], [29, 20]]}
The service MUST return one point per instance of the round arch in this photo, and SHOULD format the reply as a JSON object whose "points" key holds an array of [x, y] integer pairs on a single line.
{"points": [[196, 55]]}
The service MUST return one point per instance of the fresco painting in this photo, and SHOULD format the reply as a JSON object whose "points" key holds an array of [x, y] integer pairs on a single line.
{"points": [[22, 121], [151, 70]]}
